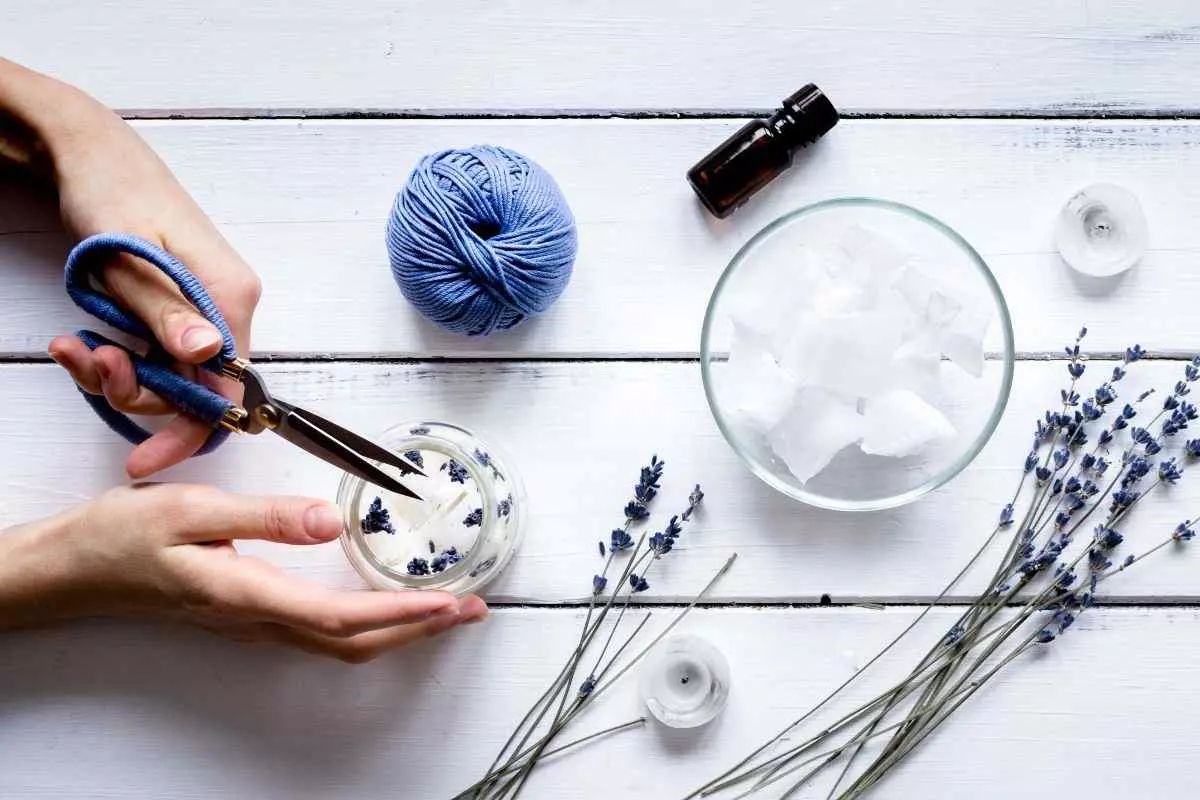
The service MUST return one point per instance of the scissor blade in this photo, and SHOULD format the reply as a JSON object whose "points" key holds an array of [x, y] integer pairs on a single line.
{"points": [[304, 434], [364, 447]]}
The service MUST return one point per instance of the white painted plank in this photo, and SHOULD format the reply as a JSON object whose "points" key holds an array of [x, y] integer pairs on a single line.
{"points": [[871, 55], [578, 432], [131, 711], [306, 204]]}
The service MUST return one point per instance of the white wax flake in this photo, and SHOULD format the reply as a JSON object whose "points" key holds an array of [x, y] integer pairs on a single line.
{"points": [[765, 303], [957, 321], [844, 344], [818, 426], [878, 256], [847, 354], [755, 386], [899, 423], [915, 366]]}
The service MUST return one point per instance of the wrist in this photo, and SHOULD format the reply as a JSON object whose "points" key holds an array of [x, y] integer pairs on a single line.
{"points": [[47, 116], [37, 573]]}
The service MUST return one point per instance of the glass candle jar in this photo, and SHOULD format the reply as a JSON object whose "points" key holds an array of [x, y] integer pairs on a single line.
{"points": [[458, 536]]}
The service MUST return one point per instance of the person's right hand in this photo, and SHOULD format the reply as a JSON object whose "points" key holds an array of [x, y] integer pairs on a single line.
{"points": [[110, 181], [167, 550]]}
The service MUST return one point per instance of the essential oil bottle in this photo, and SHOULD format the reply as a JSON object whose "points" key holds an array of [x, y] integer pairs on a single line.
{"points": [[751, 158]]}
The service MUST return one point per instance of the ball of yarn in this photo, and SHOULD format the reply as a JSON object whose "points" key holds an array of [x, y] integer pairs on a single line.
{"points": [[480, 239]]}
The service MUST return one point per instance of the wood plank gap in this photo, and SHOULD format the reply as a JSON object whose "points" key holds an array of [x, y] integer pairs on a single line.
{"points": [[1033, 114], [865, 603], [617, 358]]}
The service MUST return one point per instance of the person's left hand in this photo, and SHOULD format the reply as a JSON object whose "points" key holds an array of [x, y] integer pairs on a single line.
{"points": [[109, 180], [168, 551]]}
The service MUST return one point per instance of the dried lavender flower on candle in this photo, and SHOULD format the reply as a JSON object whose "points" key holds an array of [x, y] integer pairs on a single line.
{"points": [[377, 519], [457, 472], [449, 557]]}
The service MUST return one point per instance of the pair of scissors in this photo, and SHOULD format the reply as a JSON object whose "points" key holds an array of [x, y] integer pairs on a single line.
{"points": [[259, 410]]}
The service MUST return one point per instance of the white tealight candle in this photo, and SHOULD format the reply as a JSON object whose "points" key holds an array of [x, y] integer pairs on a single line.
{"points": [[1101, 230], [685, 682]]}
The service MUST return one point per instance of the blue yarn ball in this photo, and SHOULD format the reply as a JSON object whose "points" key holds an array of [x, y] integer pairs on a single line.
{"points": [[480, 239]]}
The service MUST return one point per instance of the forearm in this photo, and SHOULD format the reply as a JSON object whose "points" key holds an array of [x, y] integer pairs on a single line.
{"points": [[35, 575]]}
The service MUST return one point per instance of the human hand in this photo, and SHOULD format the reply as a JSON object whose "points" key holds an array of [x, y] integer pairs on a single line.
{"points": [[109, 180], [167, 550]]}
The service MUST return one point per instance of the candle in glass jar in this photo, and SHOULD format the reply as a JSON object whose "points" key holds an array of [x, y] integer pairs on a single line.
{"points": [[459, 534]]}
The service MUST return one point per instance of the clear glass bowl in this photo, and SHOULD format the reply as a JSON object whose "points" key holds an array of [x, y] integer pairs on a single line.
{"points": [[767, 266], [459, 536]]}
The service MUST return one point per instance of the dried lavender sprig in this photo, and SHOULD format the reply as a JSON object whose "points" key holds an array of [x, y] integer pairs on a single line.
{"points": [[969, 617], [564, 679], [604, 685], [962, 696], [645, 490], [1183, 533], [660, 544], [555, 728], [833, 753], [841, 687], [899, 741], [634, 723], [1118, 373], [868, 780], [1006, 517]]}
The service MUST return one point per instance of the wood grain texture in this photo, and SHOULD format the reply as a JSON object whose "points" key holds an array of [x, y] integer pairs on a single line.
{"points": [[306, 204], [1054, 57], [578, 432], [128, 711]]}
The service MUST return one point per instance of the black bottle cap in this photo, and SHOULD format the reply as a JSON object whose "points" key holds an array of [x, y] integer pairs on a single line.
{"points": [[812, 115]]}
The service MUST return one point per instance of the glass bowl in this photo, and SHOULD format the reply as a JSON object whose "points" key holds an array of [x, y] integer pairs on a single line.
{"points": [[458, 537], [815, 300]]}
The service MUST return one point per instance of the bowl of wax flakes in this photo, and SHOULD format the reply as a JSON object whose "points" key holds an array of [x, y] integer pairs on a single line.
{"points": [[857, 354], [458, 536]]}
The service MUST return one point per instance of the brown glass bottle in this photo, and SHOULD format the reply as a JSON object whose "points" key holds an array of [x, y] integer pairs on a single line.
{"points": [[751, 158]]}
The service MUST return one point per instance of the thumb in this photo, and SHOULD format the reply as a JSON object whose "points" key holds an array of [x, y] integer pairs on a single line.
{"points": [[205, 514], [155, 299]]}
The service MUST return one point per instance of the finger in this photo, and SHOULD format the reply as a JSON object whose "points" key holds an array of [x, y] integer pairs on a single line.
{"points": [[229, 279], [121, 389], [155, 299], [74, 356], [254, 590], [175, 443], [364, 647], [206, 514]]}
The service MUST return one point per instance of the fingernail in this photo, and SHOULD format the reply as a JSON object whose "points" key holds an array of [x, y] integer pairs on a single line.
{"points": [[476, 619], [200, 338], [322, 521], [448, 612]]}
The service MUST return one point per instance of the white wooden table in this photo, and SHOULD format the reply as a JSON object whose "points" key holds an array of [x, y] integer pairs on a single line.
{"points": [[293, 122]]}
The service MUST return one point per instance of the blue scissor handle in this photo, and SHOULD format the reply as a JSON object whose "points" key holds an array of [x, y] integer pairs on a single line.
{"points": [[153, 371]]}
